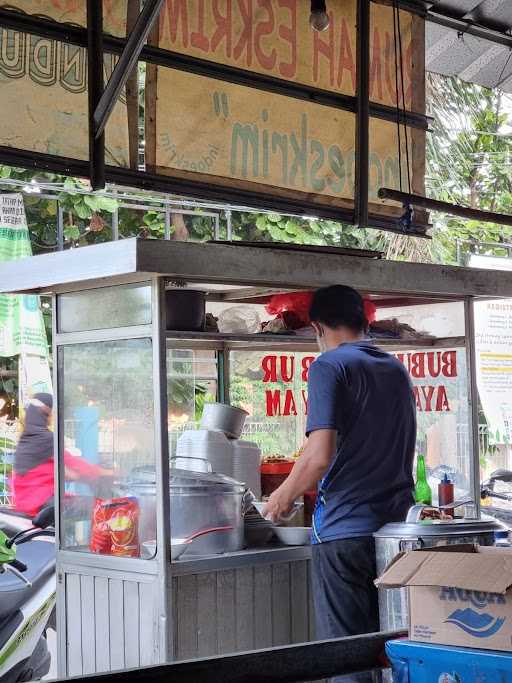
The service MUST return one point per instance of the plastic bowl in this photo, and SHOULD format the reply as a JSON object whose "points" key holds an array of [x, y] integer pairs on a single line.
{"points": [[293, 535]]}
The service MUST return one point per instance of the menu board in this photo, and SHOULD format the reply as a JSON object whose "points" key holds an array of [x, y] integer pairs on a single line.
{"points": [[493, 347]]}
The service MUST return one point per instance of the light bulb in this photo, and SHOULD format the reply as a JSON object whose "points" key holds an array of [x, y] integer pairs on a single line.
{"points": [[319, 19]]}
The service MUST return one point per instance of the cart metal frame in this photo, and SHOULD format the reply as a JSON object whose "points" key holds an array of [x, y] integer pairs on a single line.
{"points": [[233, 273]]}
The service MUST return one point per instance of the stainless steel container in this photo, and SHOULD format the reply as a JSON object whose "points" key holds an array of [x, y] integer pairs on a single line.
{"points": [[221, 417], [198, 501], [392, 539]]}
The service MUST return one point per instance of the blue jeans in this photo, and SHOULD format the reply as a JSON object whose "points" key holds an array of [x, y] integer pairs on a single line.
{"points": [[345, 597]]}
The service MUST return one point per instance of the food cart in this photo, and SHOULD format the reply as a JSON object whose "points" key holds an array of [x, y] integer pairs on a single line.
{"points": [[112, 351]]}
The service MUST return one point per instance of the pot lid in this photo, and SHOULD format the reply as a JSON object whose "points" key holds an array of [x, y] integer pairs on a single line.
{"points": [[437, 527], [185, 479]]}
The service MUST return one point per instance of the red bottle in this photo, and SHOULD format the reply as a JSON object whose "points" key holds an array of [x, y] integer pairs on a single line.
{"points": [[445, 492]]}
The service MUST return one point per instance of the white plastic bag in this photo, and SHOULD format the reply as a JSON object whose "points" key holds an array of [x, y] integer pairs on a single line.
{"points": [[239, 320]]}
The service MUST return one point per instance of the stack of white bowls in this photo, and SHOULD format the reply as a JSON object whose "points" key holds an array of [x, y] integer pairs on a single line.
{"points": [[246, 464], [215, 447], [218, 442]]}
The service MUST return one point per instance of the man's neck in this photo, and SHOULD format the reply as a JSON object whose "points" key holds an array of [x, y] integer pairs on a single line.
{"points": [[335, 338]]}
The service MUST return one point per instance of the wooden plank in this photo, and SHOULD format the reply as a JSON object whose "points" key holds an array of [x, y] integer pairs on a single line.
{"points": [[102, 632], [299, 597], [206, 621], [281, 622], [186, 618], [226, 620], [74, 625], [116, 614], [262, 607], [244, 605], [131, 624], [88, 625], [148, 625]]}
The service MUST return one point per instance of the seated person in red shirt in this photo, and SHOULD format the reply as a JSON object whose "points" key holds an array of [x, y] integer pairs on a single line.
{"points": [[33, 476]]}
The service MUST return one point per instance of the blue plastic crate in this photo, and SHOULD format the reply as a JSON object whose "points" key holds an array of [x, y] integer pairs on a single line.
{"points": [[424, 663]]}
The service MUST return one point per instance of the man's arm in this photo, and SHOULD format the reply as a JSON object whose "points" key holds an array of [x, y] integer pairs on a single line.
{"points": [[307, 472]]}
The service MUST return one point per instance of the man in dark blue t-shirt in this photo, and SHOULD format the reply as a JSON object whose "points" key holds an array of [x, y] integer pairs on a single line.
{"points": [[361, 431]]}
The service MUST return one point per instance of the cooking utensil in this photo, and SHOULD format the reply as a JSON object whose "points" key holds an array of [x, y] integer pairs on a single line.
{"points": [[179, 545], [185, 310], [198, 500], [221, 417]]}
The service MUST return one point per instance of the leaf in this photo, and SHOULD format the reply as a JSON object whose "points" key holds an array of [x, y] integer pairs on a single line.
{"points": [[82, 211], [72, 232], [261, 223], [5, 171], [91, 201], [291, 227], [107, 203], [274, 217], [69, 185]]}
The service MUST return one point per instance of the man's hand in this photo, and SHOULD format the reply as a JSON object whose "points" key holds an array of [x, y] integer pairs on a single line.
{"points": [[279, 505]]}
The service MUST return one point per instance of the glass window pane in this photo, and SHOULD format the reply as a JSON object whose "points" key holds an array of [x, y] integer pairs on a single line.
{"points": [[440, 381], [191, 382], [106, 307], [272, 387], [108, 429]]}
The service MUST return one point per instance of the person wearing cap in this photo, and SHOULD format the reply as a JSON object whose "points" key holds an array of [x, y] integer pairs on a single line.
{"points": [[361, 435], [33, 475]]}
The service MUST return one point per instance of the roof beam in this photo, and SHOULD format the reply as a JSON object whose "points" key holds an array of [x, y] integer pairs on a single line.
{"points": [[127, 61]]}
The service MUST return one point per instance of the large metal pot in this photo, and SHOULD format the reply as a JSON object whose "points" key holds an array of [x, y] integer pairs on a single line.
{"points": [[392, 539], [198, 501]]}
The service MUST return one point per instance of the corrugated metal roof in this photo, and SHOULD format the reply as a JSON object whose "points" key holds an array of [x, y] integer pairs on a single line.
{"points": [[453, 51]]}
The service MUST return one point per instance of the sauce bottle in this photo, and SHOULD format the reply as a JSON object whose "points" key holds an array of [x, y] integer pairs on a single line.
{"points": [[445, 494], [422, 491]]}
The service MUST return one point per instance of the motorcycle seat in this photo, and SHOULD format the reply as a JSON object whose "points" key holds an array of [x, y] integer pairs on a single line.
{"points": [[7, 510], [39, 556]]}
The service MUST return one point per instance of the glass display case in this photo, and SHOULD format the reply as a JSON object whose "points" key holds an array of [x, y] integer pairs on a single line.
{"points": [[127, 388]]}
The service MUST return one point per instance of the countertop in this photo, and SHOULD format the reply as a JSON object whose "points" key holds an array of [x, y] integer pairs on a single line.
{"points": [[250, 557]]}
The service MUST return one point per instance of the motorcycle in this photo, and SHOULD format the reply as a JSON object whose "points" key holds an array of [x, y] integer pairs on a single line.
{"points": [[500, 501], [27, 597]]}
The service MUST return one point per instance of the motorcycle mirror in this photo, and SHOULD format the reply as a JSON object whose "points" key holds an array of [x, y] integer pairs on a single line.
{"points": [[45, 517], [501, 475]]}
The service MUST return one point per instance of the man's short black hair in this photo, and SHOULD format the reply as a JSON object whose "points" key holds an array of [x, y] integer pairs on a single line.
{"points": [[339, 306]]}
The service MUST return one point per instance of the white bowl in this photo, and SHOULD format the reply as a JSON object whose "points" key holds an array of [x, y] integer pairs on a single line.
{"points": [[260, 506], [293, 535]]}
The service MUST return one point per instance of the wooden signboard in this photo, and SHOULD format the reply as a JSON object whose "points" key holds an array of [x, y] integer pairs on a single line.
{"points": [[74, 12], [238, 137], [43, 86]]}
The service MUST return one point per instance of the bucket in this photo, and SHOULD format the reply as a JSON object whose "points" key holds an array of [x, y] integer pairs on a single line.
{"points": [[185, 310]]}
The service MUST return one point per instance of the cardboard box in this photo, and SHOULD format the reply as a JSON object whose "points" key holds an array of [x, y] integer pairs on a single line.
{"points": [[457, 598]]}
